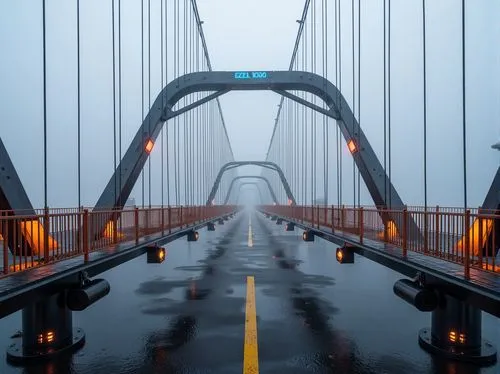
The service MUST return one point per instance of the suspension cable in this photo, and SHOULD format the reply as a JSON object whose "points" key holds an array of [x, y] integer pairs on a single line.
{"points": [[44, 52], [149, 97], [120, 203], [162, 166], [142, 93], [424, 41], [389, 100], [114, 99], [385, 104], [353, 100], [79, 102], [464, 117]]}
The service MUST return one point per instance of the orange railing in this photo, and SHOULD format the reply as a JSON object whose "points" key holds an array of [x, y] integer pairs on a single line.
{"points": [[467, 237], [28, 241]]}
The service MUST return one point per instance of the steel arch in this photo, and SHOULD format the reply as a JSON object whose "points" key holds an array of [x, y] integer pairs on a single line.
{"points": [[235, 164], [261, 197], [380, 187], [271, 191]]}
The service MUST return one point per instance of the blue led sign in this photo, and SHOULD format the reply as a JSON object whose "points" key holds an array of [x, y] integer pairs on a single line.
{"points": [[250, 75]]}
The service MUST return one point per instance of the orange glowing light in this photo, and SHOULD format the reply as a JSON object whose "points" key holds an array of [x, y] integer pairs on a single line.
{"points": [[452, 336], [475, 237], [1, 237], [352, 146], [392, 231], [23, 266], [149, 146], [340, 256], [161, 254], [48, 337], [461, 338], [34, 234], [110, 229]]}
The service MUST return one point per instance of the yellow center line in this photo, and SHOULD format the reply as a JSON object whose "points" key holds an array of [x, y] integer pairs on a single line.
{"points": [[250, 351], [250, 234]]}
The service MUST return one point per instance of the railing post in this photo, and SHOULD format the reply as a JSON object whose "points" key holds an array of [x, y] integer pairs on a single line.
{"points": [[115, 229], [4, 232], [136, 225], [361, 225], [342, 218], [426, 232], [438, 239], [169, 219], [480, 238], [46, 228], [162, 220], [85, 229], [467, 244], [317, 214], [180, 220], [333, 217], [405, 232]]}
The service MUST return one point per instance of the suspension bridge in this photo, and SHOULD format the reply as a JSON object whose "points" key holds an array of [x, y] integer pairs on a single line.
{"points": [[329, 174]]}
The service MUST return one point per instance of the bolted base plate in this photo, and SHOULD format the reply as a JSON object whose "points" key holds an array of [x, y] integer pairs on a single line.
{"points": [[16, 356], [487, 355]]}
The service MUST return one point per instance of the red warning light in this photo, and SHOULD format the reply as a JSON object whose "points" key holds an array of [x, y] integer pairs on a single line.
{"points": [[149, 146]]}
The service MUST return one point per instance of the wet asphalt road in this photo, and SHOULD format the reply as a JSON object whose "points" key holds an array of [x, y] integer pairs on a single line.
{"points": [[313, 315]]}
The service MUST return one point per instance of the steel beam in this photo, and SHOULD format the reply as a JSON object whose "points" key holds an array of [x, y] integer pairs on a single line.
{"points": [[14, 200], [376, 179]]}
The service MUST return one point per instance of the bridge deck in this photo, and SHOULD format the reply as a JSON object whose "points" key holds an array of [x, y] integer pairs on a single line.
{"points": [[486, 280]]}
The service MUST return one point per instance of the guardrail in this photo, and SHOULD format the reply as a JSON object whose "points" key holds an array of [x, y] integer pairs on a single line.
{"points": [[27, 241], [468, 238]]}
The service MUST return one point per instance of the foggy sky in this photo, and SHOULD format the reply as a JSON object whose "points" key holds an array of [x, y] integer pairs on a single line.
{"points": [[253, 36]]}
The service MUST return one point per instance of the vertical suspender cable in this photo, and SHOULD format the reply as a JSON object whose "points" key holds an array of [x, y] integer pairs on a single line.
{"points": [[464, 118], [176, 119], [120, 202], [142, 92], [337, 83], [389, 100], [114, 101], [162, 102], [44, 47], [385, 106], [149, 97], [79, 100], [326, 133], [340, 102], [184, 127], [353, 100], [425, 102], [359, 95], [166, 125]]}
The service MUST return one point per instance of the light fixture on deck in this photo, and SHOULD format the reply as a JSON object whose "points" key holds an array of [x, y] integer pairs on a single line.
{"points": [[155, 254], [210, 226], [307, 236], [344, 255], [193, 236]]}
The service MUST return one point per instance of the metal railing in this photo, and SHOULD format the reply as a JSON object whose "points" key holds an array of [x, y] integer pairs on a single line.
{"points": [[469, 238], [28, 241]]}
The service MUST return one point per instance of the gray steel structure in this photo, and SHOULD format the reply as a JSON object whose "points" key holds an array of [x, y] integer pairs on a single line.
{"points": [[255, 184], [380, 187], [264, 164], [13, 199], [271, 191]]}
